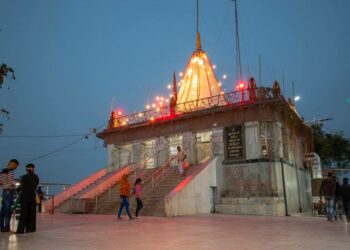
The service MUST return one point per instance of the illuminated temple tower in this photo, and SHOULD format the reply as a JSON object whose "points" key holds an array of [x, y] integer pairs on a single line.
{"points": [[199, 82]]}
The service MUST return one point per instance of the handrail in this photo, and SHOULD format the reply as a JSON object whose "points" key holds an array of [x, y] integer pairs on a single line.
{"points": [[130, 170], [72, 190]]}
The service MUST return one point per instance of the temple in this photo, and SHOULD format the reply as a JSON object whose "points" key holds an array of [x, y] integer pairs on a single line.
{"points": [[246, 148]]}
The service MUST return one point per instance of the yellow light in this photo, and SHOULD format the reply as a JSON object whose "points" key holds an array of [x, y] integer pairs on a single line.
{"points": [[124, 123], [161, 103], [200, 62], [152, 119], [162, 98], [148, 106], [140, 114], [158, 109], [189, 72], [171, 95], [179, 84]]}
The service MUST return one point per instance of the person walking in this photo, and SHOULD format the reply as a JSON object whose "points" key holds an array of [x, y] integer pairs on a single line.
{"points": [[7, 182], [41, 194], [124, 191], [345, 196], [138, 190], [27, 217], [327, 189], [181, 160]]}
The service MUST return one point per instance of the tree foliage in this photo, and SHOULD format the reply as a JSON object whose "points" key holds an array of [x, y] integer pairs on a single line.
{"points": [[5, 71], [333, 148]]}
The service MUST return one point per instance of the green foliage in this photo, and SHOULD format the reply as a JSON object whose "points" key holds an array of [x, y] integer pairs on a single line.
{"points": [[333, 148], [4, 72]]}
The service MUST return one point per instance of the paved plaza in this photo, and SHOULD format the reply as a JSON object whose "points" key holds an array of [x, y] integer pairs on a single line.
{"points": [[62, 231]]}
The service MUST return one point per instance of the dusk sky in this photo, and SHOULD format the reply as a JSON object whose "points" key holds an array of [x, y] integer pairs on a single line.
{"points": [[72, 58]]}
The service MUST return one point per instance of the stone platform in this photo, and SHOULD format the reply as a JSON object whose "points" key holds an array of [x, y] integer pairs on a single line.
{"points": [[216, 231]]}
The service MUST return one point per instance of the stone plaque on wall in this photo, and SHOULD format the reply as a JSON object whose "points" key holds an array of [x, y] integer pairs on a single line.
{"points": [[234, 144]]}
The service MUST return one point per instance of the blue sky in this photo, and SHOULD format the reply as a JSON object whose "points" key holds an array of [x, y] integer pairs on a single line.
{"points": [[72, 58]]}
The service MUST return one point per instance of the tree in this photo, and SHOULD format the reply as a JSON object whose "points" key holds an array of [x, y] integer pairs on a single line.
{"points": [[333, 148], [5, 71]]}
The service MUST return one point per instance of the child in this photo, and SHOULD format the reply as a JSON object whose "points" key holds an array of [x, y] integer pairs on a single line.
{"points": [[137, 191]]}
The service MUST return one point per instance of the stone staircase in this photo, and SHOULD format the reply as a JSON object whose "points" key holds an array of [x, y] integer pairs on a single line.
{"points": [[153, 197], [61, 199]]}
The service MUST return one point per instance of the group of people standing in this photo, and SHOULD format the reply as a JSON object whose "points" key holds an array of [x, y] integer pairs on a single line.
{"points": [[26, 192], [333, 193]]}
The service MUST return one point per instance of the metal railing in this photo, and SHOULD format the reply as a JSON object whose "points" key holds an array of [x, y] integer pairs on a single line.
{"points": [[164, 112], [136, 171]]}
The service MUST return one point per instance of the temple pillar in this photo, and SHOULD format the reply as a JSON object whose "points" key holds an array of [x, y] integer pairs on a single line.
{"points": [[162, 150], [217, 141], [188, 144]]}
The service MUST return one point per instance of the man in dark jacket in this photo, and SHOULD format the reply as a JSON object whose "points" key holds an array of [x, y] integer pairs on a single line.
{"points": [[27, 218], [345, 195], [327, 189]]}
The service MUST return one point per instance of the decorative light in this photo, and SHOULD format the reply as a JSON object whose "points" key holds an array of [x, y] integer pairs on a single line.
{"points": [[219, 84], [157, 98], [158, 109], [152, 119], [148, 106], [214, 66], [189, 71], [169, 86], [297, 98], [171, 95], [181, 74], [161, 103], [224, 76], [120, 113], [166, 100], [140, 114], [153, 105], [240, 86]]}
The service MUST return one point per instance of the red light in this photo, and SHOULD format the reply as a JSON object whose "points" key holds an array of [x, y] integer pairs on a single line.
{"points": [[119, 113], [240, 86]]}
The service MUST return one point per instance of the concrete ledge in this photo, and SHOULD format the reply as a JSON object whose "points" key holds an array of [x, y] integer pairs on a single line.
{"points": [[265, 206]]}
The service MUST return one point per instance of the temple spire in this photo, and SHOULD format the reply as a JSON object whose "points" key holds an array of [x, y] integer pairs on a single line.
{"points": [[199, 45], [174, 87]]}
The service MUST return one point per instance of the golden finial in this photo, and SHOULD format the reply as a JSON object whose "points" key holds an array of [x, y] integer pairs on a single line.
{"points": [[199, 46]]}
